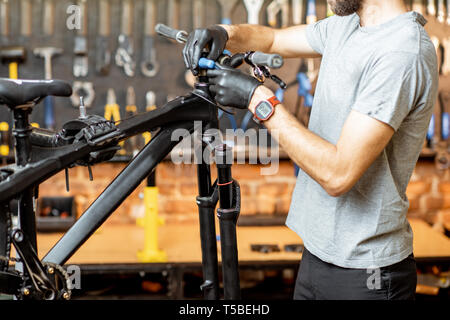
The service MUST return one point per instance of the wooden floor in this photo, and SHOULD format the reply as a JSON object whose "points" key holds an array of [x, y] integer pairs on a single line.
{"points": [[118, 244]]}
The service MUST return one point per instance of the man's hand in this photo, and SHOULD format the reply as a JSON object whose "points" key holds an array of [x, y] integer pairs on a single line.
{"points": [[215, 37], [232, 88]]}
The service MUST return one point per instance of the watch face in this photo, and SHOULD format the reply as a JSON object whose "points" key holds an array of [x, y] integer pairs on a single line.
{"points": [[264, 110]]}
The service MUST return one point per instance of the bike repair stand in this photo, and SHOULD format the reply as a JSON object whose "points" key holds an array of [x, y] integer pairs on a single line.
{"points": [[150, 222], [226, 191]]}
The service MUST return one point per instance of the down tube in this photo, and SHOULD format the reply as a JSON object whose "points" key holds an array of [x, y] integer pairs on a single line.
{"points": [[122, 186]]}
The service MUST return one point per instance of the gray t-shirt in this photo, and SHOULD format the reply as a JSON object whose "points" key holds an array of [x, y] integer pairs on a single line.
{"points": [[388, 72]]}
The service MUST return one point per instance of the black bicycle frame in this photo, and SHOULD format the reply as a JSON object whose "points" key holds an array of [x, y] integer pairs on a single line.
{"points": [[178, 114]]}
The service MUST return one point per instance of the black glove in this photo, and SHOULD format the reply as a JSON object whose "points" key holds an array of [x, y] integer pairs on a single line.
{"points": [[215, 37], [232, 88]]}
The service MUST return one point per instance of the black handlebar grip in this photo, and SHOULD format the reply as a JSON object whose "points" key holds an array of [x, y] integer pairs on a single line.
{"points": [[274, 61], [168, 32]]}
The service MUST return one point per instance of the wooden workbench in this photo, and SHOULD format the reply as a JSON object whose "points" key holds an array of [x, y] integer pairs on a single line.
{"points": [[118, 244]]}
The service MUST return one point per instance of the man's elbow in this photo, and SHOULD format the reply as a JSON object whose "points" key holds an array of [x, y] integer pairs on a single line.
{"points": [[338, 186]]}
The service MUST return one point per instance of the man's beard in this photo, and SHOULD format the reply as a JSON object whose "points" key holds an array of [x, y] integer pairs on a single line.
{"points": [[345, 7]]}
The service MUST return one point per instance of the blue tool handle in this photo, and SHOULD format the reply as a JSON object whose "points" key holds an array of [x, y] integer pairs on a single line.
{"points": [[204, 63], [430, 133], [226, 21], [445, 126], [280, 95], [49, 115]]}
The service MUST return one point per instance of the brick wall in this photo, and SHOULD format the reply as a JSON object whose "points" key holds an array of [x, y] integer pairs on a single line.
{"points": [[429, 190]]}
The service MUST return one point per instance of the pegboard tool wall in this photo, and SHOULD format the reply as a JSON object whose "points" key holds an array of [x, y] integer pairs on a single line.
{"points": [[168, 82]]}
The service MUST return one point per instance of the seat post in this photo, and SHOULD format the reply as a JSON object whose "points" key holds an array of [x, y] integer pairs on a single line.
{"points": [[21, 132]]}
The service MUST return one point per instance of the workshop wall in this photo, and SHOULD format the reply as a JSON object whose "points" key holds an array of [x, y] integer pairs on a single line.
{"points": [[270, 195]]}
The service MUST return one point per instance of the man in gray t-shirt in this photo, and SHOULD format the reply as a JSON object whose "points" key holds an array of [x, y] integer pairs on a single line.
{"points": [[373, 104]]}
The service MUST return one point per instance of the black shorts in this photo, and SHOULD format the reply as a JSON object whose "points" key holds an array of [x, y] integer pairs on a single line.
{"points": [[318, 280]]}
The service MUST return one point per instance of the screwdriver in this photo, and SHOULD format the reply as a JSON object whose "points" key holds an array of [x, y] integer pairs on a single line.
{"points": [[112, 111], [151, 105], [132, 144]]}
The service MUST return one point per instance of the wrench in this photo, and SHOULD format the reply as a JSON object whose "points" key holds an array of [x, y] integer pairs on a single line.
{"points": [[311, 15], [199, 19], [441, 11], [85, 90], [417, 6], [446, 66], [80, 62], [25, 17], [173, 10], [149, 65], [431, 8], [448, 12], [227, 10], [297, 12], [103, 55], [124, 53], [4, 20], [274, 8], [253, 8], [49, 17]]}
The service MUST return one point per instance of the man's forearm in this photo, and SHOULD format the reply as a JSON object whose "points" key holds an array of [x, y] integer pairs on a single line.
{"points": [[310, 152], [246, 37]]}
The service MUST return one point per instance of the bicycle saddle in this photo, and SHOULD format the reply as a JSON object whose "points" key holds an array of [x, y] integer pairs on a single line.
{"points": [[17, 93]]}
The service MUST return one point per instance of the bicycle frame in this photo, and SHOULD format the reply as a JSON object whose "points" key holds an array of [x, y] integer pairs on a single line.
{"points": [[178, 114]]}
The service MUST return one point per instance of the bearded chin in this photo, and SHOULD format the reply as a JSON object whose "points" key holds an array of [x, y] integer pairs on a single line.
{"points": [[345, 7]]}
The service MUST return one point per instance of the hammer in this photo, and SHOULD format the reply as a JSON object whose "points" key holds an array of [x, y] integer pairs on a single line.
{"points": [[13, 56], [47, 53]]}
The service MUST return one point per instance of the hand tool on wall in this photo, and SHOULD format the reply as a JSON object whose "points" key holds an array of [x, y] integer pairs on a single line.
{"points": [[13, 56], [149, 64], [80, 62], [173, 14], [417, 6], [103, 54], [150, 99], [199, 14], [131, 145], [431, 8], [112, 111], [4, 21], [329, 10], [297, 12], [227, 8], [441, 11], [82, 89], [47, 53], [448, 12], [125, 51], [199, 20], [311, 17], [311, 12], [446, 65], [253, 9], [48, 17], [442, 158], [275, 8], [5, 139], [25, 18]]}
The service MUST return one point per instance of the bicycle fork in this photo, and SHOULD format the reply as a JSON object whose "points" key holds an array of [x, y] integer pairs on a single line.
{"points": [[226, 192]]}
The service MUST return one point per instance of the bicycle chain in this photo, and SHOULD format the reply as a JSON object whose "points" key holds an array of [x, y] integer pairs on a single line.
{"points": [[67, 293]]}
